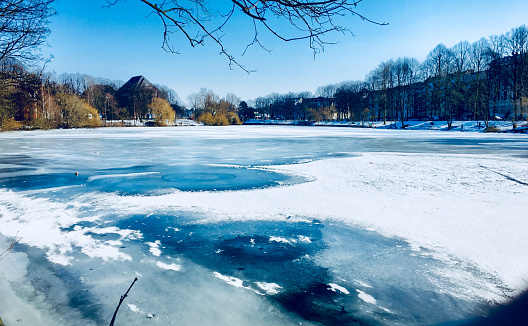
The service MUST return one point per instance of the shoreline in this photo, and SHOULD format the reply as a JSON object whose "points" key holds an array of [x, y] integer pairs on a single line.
{"points": [[435, 125]]}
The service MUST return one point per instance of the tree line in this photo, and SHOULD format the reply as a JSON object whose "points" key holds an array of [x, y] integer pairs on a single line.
{"points": [[32, 98], [479, 80], [210, 109], [40, 100]]}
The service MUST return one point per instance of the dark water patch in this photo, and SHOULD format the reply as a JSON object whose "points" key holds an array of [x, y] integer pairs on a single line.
{"points": [[65, 293], [162, 178], [379, 280], [155, 179], [43, 181], [17, 169], [240, 249], [20, 160], [409, 281], [324, 306], [281, 253], [511, 314]]}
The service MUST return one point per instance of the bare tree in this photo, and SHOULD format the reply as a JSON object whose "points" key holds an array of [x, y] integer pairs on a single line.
{"points": [[517, 45], [199, 20], [382, 79], [458, 84], [23, 27], [168, 94], [495, 75], [233, 100], [496, 47], [438, 65], [461, 55], [200, 100], [479, 63], [327, 90]]}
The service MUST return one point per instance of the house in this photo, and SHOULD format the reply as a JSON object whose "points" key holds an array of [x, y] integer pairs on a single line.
{"points": [[135, 95]]}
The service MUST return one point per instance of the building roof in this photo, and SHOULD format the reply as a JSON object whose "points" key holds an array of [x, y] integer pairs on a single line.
{"points": [[135, 83]]}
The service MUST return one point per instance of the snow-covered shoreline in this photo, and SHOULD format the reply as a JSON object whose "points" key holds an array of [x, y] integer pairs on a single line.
{"points": [[436, 125]]}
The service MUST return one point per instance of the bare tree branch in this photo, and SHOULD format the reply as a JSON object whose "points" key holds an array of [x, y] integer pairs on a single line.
{"points": [[311, 20], [121, 301], [23, 27], [15, 240]]}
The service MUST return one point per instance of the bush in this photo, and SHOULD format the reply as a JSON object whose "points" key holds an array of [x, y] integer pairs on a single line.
{"points": [[76, 113], [491, 129], [219, 119], [162, 111], [42, 123], [206, 118], [10, 124], [233, 118]]}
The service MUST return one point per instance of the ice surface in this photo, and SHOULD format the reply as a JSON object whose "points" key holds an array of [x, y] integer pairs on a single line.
{"points": [[260, 225]]}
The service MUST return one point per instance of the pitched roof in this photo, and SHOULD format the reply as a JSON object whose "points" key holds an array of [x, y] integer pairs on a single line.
{"points": [[135, 83]]}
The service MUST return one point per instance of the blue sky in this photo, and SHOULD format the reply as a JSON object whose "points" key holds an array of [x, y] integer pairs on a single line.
{"points": [[124, 41]]}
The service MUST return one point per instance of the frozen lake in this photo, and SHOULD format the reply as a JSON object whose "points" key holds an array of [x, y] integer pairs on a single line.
{"points": [[260, 225]]}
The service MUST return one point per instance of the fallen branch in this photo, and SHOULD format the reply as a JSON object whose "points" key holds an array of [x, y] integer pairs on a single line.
{"points": [[8, 250], [121, 301]]}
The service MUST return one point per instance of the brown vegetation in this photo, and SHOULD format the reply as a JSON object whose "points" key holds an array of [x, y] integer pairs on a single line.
{"points": [[162, 111], [491, 129]]}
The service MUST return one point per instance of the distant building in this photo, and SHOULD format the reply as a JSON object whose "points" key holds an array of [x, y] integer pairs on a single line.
{"points": [[135, 95], [509, 91]]}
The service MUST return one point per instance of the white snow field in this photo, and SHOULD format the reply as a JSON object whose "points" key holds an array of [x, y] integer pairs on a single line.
{"points": [[442, 212]]}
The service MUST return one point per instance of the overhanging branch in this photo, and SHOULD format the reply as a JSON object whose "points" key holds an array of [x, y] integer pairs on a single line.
{"points": [[312, 20]]}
